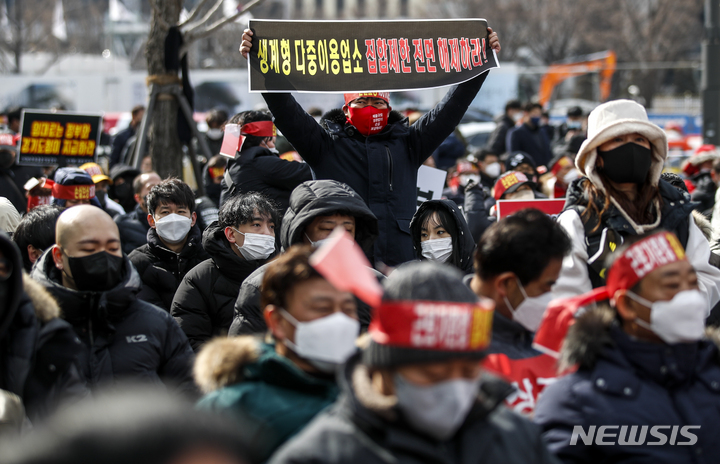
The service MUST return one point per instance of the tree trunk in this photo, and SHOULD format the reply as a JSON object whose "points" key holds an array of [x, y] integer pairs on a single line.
{"points": [[164, 144]]}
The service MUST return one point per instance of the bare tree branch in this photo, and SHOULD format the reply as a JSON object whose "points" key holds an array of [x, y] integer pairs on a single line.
{"points": [[198, 24], [194, 12], [192, 36]]}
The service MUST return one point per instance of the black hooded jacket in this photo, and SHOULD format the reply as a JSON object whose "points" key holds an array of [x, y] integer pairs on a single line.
{"points": [[133, 228], [363, 427], [162, 270], [38, 350], [381, 168], [204, 301], [464, 243], [308, 201], [257, 169], [122, 337]]}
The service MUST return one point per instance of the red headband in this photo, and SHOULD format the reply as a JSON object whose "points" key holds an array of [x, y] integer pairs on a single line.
{"points": [[73, 192], [641, 259], [433, 325], [259, 129], [353, 96], [559, 164]]}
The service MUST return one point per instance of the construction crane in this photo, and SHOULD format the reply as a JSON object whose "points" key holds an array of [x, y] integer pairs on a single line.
{"points": [[602, 63]]}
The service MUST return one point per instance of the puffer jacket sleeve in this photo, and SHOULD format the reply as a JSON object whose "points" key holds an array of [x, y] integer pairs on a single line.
{"points": [[248, 317], [189, 308], [178, 359], [144, 266], [281, 173], [574, 279], [558, 412], [476, 212], [435, 126], [299, 128], [697, 251]]}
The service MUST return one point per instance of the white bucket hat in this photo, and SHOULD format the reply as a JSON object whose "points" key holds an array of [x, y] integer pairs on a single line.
{"points": [[614, 118]]}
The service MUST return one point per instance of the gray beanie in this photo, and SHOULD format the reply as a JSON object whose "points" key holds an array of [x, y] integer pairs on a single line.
{"points": [[420, 281]]}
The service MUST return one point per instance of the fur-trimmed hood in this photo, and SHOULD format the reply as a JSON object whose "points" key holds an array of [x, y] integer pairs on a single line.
{"points": [[46, 308], [590, 336], [220, 362]]}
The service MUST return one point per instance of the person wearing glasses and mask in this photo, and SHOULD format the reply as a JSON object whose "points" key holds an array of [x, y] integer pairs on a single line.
{"points": [[374, 150], [274, 389], [173, 242], [239, 242]]}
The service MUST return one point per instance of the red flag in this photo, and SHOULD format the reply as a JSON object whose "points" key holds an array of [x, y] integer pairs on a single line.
{"points": [[232, 140], [558, 318], [341, 261]]}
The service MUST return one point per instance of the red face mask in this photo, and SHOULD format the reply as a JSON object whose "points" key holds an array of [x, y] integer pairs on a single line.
{"points": [[368, 120]]}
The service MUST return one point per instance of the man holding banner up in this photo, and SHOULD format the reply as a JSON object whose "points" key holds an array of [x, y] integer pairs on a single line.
{"points": [[365, 144]]}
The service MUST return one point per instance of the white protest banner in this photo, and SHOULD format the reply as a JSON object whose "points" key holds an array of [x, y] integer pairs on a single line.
{"points": [[430, 184]]}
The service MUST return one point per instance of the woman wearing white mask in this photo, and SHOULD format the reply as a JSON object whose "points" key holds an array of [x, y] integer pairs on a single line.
{"points": [[440, 233], [239, 242], [622, 195], [644, 372], [174, 242]]}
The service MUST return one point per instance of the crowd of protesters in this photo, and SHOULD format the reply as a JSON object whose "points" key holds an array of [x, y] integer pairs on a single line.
{"points": [[311, 312]]}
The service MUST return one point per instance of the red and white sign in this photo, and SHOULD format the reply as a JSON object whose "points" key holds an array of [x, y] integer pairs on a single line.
{"points": [[549, 206]]}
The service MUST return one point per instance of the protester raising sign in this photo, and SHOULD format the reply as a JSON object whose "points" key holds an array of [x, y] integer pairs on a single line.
{"points": [[366, 55], [67, 139]]}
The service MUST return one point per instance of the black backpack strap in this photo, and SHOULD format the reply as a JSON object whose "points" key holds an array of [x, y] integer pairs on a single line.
{"points": [[600, 242]]}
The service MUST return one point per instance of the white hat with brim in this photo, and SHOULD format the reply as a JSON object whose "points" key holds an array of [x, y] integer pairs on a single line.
{"points": [[615, 118]]}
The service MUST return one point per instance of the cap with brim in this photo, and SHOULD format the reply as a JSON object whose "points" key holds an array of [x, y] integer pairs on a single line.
{"points": [[414, 332], [95, 172], [123, 170], [517, 158], [613, 119], [509, 183]]}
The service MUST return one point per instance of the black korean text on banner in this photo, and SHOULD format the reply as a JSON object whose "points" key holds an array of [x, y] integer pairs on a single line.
{"points": [[358, 56], [62, 138]]}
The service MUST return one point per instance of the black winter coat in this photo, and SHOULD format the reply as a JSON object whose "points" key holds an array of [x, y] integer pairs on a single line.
{"points": [[257, 169], [308, 201], [534, 142], [204, 301], [463, 245], [350, 432], [381, 168], [162, 270], [496, 142], [38, 350], [122, 336], [630, 385], [133, 229]]}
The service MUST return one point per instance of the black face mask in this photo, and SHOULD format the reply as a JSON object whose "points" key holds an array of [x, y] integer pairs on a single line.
{"points": [[628, 163], [125, 195], [98, 272]]}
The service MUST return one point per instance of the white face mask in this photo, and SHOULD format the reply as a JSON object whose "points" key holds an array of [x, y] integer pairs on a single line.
{"points": [[521, 195], [570, 176], [529, 313], [318, 243], [256, 246], [493, 169], [173, 228], [680, 320], [325, 343], [517, 116], [436, 410], [438, 249]]}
